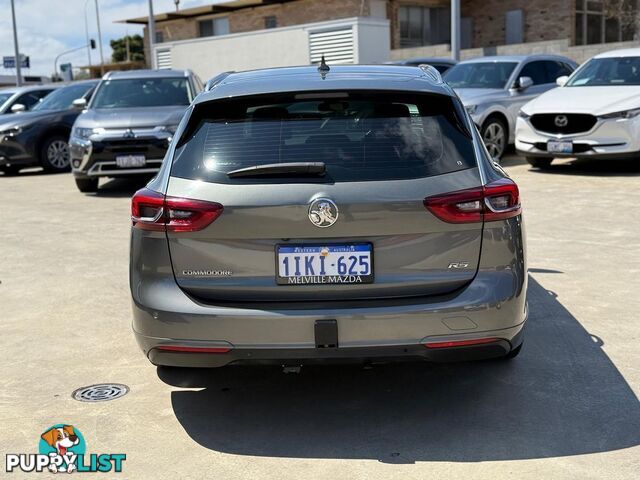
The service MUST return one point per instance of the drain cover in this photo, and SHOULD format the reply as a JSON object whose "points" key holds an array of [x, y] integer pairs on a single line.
{"points": [[100, 392]]}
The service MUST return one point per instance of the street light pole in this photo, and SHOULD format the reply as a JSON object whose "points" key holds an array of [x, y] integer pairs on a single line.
{"points": [[455, 29], [86, 32], [99, 39], [15, 46], [152, 35]]}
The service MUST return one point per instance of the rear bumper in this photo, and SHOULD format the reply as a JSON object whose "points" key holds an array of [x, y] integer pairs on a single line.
{"points": [[492, 305], [506, 340]]}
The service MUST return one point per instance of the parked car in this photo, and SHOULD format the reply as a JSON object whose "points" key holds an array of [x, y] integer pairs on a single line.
{"points": [[307, 215], [493, 89], [22, 99], [595, 113], [128, 125], [39, 137], [439, 63]]}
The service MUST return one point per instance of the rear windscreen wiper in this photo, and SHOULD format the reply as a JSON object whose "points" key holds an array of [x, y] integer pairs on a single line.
{"points": [[292, 168]]}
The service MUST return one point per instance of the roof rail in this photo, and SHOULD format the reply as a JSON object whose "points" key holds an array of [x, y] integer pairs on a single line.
{"points": [[431, 72], [216, 80]]}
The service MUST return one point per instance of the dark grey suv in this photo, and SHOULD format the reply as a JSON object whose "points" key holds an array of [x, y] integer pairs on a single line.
{"points": [[128, 125], [304, 215]]}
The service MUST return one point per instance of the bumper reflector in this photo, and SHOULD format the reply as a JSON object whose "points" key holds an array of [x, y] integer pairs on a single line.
{"points": [[178, 348], [460, 343]]}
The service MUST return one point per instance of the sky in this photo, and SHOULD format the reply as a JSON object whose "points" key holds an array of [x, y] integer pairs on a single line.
{"points": [[47, 28]]}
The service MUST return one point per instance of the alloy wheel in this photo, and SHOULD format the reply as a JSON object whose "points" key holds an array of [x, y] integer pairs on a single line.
{"points": [[494, 138], [58, 154]]}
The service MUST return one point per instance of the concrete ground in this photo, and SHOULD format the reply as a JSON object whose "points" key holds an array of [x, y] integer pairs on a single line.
{"points": [[566, 408]]}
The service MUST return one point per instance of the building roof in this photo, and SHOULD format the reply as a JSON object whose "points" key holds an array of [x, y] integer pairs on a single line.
{"points": [[339, 78], [218, 7]]}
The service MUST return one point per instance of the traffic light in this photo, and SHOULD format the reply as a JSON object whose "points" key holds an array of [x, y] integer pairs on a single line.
{"points": [[92, 44]]}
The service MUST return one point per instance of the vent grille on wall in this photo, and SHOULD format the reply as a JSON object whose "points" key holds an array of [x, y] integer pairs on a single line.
{"points": [[163, 58], [335, 45]]}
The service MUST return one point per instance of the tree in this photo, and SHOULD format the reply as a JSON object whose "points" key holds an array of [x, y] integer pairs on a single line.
{"points": [[136, 49]]}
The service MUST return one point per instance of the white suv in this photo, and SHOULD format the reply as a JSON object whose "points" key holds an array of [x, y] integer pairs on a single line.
{"points": [[595, 113]]}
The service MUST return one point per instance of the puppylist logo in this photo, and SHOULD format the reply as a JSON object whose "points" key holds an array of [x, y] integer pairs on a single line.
{"points": [[62, 449]]}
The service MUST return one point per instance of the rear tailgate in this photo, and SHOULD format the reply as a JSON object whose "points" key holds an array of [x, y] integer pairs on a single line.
{"points": [[383, 157]]}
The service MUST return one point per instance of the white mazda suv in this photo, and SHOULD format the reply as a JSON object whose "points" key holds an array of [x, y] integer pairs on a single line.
{"points": [[595, 113]]}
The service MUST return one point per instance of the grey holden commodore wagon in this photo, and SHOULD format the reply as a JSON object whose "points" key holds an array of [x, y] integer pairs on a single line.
{"points": [[312, 214]]}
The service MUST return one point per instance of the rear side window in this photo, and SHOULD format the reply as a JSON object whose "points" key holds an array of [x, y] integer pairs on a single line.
{"points": [[359, 136]]}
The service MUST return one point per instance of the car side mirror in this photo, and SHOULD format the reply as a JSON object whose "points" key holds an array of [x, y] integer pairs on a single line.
{"points": [[524, 83], [18, 108], [80, 103], [560, 81]]}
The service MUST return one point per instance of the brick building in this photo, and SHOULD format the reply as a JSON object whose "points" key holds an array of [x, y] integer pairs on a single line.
{"points": [[577, 28]]}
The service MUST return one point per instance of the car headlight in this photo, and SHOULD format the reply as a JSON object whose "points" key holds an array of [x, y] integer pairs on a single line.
{"points": [[522, 114], [624, 114], [471, 109], [82, 133], [12, 131], [169, 128]]}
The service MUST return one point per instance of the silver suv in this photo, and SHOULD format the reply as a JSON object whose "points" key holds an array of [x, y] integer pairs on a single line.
{"points": [[493, 89], [128, 124], [306, 215]]}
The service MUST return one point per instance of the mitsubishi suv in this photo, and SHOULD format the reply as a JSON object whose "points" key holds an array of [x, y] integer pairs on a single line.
{"points": [[128, 124], [344, 213]]}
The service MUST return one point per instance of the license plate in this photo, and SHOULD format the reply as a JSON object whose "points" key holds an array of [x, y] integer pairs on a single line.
{"points": [[129, 161], [559, 146], [324, 264]]}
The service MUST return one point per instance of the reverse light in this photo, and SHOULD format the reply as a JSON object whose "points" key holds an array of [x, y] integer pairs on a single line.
{"points": [[460, 343], [154, 211], [497, 200]]}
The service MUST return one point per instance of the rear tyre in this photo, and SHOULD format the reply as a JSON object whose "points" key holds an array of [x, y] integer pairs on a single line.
{"points": [[513, 353], [495, 137], [10, 170], [54, 154], [540, 163], [87, 185]]}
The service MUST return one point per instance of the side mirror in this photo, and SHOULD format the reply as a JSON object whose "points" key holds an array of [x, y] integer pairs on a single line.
{"points": [[80, 103], [524, 83], [560, 81], [18, 108]]}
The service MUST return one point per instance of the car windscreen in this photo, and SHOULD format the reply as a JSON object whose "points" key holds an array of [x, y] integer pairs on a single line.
{"points": [[358, 136], [4, 96], [607, 71], [62, 98], [480, 74], [142, 92]]}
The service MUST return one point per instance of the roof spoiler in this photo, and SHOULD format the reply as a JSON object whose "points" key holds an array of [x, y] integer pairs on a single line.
{"points": [[431, 72], [216, 80]]}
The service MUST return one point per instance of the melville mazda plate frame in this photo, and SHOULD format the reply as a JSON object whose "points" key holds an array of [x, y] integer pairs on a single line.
{"points": [[326, 279]]}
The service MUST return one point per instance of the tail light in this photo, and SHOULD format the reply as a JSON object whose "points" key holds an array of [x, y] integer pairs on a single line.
{"points": [[154, 211], [497, 200]]}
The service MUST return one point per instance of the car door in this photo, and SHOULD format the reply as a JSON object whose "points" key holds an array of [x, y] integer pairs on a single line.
{"points": [[538, 72]]}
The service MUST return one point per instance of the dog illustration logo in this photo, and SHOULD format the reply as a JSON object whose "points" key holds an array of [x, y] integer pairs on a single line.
{"points": [[62, 448], [62, 438], [323, 212]]}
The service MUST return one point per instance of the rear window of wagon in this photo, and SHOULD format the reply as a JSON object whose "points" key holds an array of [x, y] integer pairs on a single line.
{"points": [[360, 136]]}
